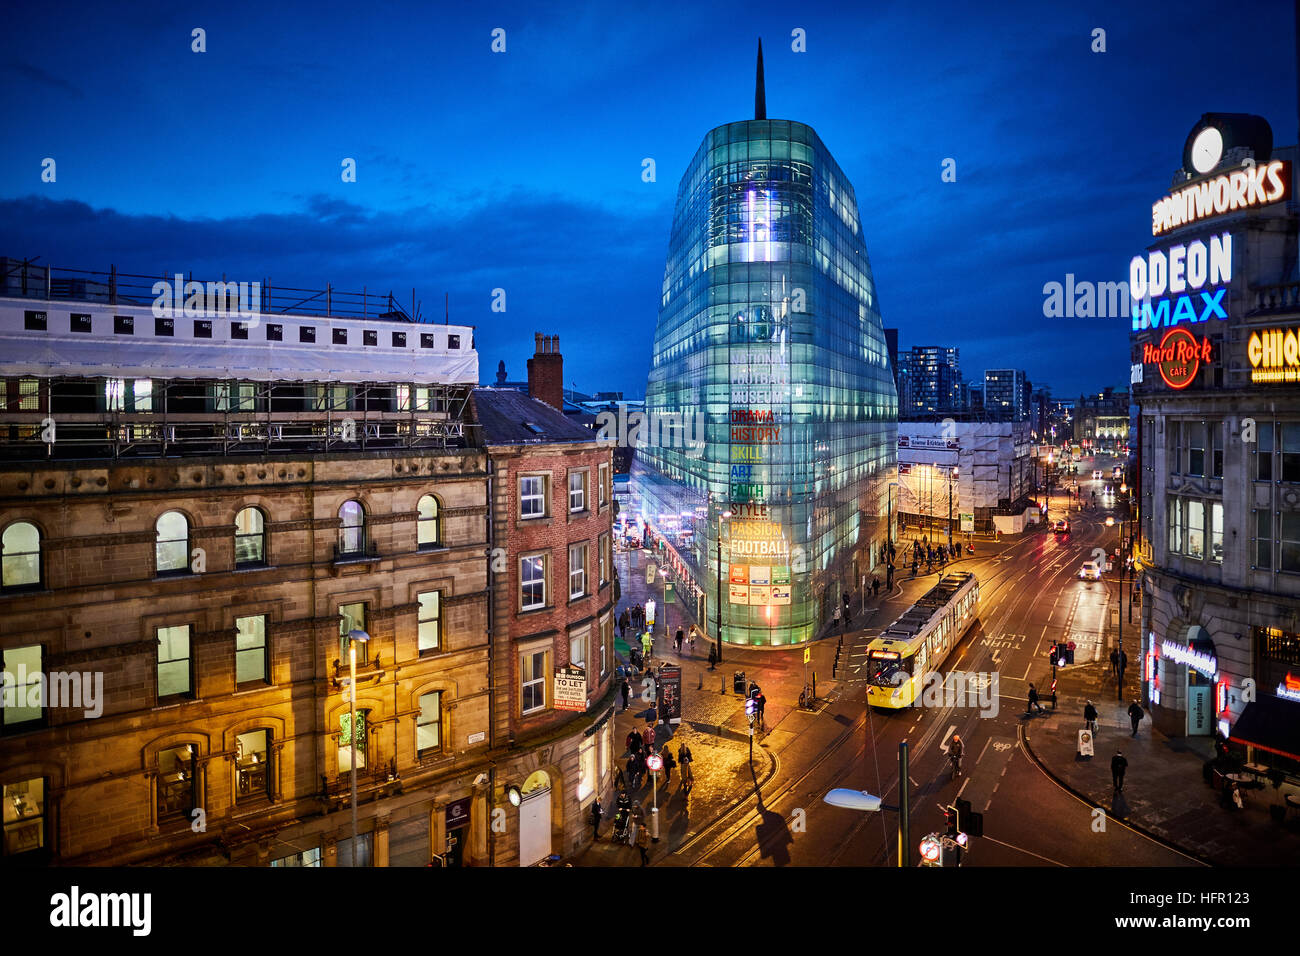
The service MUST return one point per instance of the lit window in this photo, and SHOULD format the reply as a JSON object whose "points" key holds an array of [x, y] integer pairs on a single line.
{"points": [[352, 617], [586, 768], [252, 750], [577, 570], [345, 740], [173, 661], [532, 582], [577, 490], [428, 526], [1289, 542], [578, 650], [1216, 531], [428, 726], [250, 648], [603, 490], [250, 537], [305, 858], [172, 547], [532, 677], [114, 394], [430, 620], [403, 396], [532, 496], [142, 395], [24, 816], [1195, 529], [24, 703], [176, 773], [352, 530], [20, 555], [29, 395]]}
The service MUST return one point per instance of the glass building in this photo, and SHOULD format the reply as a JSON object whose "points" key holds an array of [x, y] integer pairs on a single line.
{"points": [[770, 394]]}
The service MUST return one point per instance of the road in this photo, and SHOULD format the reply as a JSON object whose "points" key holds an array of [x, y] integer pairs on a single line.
{"points": [[1030, 597]]}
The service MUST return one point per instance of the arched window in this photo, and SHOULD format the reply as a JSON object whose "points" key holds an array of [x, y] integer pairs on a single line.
{"points": [[21, 563], [172, 549], [352, 532], [250, 537], [429, 522]]}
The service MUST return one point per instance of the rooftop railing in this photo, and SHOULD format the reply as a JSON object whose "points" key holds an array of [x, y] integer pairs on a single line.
{"points": [[24, 278]]}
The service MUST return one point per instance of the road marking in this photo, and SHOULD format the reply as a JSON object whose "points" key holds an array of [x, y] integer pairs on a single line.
{"points": [[1012, 846]]}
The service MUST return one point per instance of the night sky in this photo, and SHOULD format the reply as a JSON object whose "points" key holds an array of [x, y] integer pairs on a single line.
{"points": [[522, 170]]}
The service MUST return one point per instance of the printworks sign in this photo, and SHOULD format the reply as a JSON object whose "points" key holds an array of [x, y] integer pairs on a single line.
{"points": [[1178, 356]]}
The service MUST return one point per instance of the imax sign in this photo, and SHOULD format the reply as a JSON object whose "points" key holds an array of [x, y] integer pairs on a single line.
{"points": [[1166, 287]]}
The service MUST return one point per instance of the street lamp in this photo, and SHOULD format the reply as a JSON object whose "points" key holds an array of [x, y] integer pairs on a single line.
{"points": [[355, 636], [889, 534], [717, 613], [951, 478], [861, 800]]}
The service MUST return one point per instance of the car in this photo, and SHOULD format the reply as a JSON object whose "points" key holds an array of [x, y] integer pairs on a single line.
{"points": [[1110, 491], [1062, 526], [1096, 475], [1090, 571]]}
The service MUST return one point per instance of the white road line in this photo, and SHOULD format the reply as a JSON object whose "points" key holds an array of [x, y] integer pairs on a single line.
{"points": [[963, 789], [1027, 667]]}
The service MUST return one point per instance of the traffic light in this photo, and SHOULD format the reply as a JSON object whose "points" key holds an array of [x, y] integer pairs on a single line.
{"points": [[950, 821], [1053, 655]]}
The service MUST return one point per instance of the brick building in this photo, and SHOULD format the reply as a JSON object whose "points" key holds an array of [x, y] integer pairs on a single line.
{"points": [[184, 552]]}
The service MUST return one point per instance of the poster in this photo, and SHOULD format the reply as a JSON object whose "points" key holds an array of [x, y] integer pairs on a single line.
{"points": [[670, 692], [571, 689], [1085, 743], [739, 574], [760, 574], [780, 593], [739, 594]]}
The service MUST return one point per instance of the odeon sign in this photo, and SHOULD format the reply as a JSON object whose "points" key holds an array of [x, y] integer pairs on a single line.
{"points": [[1186, 269]]}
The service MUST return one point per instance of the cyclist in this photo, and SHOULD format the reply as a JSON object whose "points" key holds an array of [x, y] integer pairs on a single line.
{"points": [[955, 751]]}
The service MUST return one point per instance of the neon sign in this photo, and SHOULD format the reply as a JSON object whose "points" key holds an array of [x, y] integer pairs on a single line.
{"points": [[1220, 696], [1255, 185], [1274, 355], [1198, 661], [1289, 688], [1178, 356], [1184, 269]]}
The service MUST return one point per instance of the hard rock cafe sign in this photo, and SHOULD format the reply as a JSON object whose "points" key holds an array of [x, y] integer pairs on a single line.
{"points": [[1178, 357]]}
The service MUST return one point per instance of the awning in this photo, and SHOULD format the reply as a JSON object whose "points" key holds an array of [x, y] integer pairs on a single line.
{"points": [[1272, 724]]}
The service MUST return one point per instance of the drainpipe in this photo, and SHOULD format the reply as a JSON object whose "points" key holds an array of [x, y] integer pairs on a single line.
{"points": [[491, 663]]}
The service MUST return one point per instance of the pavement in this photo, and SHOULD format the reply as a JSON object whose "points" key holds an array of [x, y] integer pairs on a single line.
{"points": [[1165, 794]]}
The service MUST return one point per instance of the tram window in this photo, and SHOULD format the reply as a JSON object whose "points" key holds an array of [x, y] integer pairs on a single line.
{"points": [[889, 673]]}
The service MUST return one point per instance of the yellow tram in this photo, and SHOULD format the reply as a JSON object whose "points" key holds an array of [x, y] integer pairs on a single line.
{"points": [[920, 641]]}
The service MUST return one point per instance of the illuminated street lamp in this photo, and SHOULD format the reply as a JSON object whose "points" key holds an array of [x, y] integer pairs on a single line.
{"points": [[861, 800], [717, 614], [355, 636], [951, 478]]}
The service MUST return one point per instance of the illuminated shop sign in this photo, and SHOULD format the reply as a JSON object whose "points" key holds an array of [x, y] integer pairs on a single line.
{"points": [[1274, 355], [759, 376], [1290, 687], [1245, 188], [1186, 269], [1178, 356], [908, 441], [1198, 661], [754, 425]]}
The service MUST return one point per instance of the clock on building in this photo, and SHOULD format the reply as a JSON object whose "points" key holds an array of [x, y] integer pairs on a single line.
{"points": [[1207, 149], [1226, 137]]}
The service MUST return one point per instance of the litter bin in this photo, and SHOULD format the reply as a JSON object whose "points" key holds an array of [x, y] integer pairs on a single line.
{"points": [[738, 683]]}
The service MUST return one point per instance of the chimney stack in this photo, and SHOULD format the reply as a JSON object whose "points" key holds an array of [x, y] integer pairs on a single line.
{"points": [[546, 371]]}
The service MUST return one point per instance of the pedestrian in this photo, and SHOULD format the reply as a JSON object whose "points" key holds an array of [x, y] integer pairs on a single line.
{"points": [[648, 737], [685, 759], [625, 689], [663, 712], [647, 646], [1090, 716], [620, 780], [643, 844], [637, 770], [713, 657], [1135, 714], [761, 701], [1114, 664], [691, 638], [623, 622], [669, 764], [596, 814], [836, 622], [633, 741], [1117, 767], [875, 587], [678, 638], [1034, 705], [631, 776], [1123, 663]]}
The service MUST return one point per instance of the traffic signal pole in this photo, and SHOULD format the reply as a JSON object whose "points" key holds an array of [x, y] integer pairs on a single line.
{"points": [[904, 818]]}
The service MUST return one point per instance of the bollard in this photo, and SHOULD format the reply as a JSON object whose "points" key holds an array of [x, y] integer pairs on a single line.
{"points": [[814, 685], [722, 685]]}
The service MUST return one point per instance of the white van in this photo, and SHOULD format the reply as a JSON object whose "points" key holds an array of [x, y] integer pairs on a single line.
{"points": [[1091, 571]]}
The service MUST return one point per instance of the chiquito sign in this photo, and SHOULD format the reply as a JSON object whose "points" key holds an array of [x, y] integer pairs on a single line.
{"points": [[1274, 355]]}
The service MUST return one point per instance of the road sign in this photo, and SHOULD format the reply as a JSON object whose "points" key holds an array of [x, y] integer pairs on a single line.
{"points": [[654, 763], [968, 521], [1085, 743], [807, 654]]}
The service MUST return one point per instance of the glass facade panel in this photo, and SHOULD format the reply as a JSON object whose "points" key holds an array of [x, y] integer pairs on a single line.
{"points": [[770, 393]]}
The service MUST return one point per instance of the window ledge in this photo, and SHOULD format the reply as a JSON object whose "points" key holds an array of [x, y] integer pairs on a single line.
{"points": [[574, 600], [536, 610]]}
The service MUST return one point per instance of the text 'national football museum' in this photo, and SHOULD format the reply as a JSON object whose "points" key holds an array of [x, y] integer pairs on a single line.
{"points": [[770, 343]]}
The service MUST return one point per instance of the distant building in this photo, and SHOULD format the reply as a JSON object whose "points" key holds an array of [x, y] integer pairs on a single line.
{"points": [[1102, 418], [1006, 395], [931, 377]]}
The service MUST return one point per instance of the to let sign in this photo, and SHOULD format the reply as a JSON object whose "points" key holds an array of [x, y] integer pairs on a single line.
{"points": [[570, 688]]}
